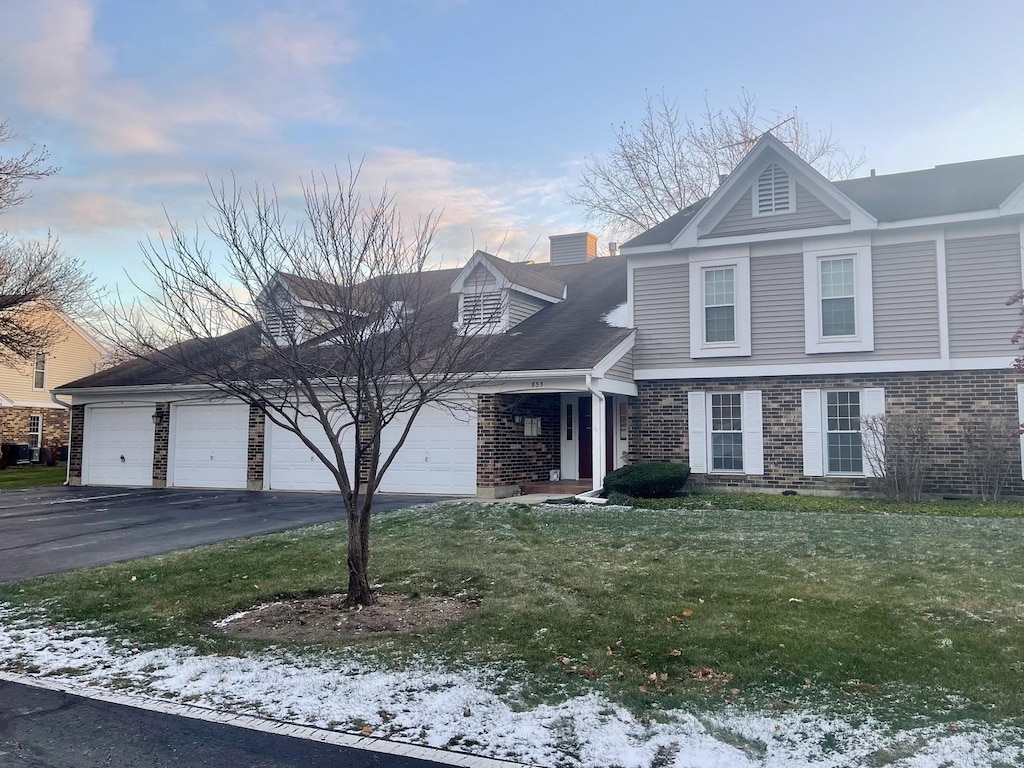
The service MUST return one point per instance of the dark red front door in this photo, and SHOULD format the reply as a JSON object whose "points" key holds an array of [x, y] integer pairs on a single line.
{"points": [[586, 423]]}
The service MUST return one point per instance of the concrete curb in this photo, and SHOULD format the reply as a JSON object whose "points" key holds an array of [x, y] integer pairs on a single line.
{"points": [[337, 738]]}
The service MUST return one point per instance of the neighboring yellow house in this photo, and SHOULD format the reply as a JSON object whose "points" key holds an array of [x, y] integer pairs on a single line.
{"points": [[27, 412]]}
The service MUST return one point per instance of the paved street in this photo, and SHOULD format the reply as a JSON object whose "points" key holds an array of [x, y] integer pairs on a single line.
{"points": [[48, 530], [47, 729]]}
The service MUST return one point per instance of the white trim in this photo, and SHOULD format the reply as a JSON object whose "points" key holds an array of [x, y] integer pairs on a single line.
{"points": [[943, 294], [630, 292], [739, 260], [1021, 235], [5, 402], [868, 365], [872, 404], [503, 281], [697, 431], [864, 339], [569, 460], [1014, 203], [812, 434], [615, 386], [753, 432], [618, 351], [948, 218], [803, 233]]}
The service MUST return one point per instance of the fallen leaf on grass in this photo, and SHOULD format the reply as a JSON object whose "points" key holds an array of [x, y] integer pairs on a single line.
{"points": [[588, 672], [366, 730], [674, 652]]}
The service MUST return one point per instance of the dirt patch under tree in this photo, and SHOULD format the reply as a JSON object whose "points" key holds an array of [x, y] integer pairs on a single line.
{"points": [[324, 618]]}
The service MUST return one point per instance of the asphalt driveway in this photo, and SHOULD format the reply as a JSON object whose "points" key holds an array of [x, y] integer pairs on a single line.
{"points": [[49, 530]]}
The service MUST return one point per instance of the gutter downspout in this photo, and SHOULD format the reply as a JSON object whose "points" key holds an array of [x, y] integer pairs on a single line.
{"points": [[597, 434], [71, 416]]}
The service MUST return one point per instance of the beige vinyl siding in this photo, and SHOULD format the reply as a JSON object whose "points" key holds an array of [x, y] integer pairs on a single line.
{"points": [[71, 358], [521, 306], [776, 311], [810, 212], [661, 316], [981, 274], [905, 284], [622, 370]]}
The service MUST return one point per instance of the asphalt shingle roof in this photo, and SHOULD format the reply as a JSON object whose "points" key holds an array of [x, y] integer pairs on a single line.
{"points": [[979, 185], [567, 335]]}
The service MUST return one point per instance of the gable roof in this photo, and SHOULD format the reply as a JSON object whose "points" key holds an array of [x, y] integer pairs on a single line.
{"points": [[955, 188], [567, 335], [518, 276]]}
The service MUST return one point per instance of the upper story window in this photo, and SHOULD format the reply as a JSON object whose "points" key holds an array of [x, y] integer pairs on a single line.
{"points": [[838, 299], [39, 372], [720, 304], [482, 312], [774, 192]]}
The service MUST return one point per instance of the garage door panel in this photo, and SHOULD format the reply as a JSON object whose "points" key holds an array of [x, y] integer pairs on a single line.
{"points": [[210, 445], [294, 467], [118, 446], [438, 456]]}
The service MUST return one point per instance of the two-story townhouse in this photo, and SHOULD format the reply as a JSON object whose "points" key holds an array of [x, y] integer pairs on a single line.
{"points": [[771, 317], [28, 412]]}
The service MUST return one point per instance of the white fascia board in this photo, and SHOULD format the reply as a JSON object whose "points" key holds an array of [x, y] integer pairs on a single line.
{"points": [[460, 281], [143, 389], [639, 250], [49, 404], [609, 360], [536, 294], [615, 387], [813, 369], [1014, 204], [784, 234], [932, 221], [727, 195]]}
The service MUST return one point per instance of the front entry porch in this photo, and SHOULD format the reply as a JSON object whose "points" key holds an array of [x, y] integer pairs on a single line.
{"points": [[528, 441]]}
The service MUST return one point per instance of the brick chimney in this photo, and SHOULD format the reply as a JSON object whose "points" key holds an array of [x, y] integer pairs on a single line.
{"points": [[577, 248]]}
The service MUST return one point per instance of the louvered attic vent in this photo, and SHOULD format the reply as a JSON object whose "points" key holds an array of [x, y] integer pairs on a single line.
{"points": [[280, 322], [480, 310], [774, 192]]}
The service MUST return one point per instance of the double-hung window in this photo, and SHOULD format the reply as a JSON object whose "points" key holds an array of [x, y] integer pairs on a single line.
{"points": [[843, 439], [39, 371], [838, 301], [35, 430], [726, 432], [720, 303]]}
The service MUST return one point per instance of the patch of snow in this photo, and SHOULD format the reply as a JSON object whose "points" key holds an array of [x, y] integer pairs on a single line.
{"points": [[431, 705], [221, 623], [618, 317]]}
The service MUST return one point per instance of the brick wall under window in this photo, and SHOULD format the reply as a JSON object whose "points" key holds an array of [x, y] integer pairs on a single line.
{"points": [[658, 426]]}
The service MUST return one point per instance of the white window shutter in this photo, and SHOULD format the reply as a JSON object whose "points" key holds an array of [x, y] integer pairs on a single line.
{"points": [[1020, 420], [872, 406], [753, 433], [810, 406], [696, 416]]}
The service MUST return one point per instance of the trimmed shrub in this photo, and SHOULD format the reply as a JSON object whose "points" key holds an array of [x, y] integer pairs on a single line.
{"points": [[652, 480]]}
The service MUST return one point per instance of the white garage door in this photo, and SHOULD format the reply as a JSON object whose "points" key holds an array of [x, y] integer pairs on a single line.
{"points": [[294, 467], [209, 445], [439, 456], [118, 446]]}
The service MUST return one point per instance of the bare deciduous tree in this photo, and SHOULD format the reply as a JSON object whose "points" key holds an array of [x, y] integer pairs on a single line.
{"points": [[333, 327], [670, 161], [37, 280], [896, 448]]}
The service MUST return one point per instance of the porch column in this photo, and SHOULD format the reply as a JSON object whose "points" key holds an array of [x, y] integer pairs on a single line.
{"points": [[599, 446]]}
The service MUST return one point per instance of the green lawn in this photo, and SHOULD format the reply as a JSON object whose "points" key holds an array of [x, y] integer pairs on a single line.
{"points": [[31, 475], [909, 618]]}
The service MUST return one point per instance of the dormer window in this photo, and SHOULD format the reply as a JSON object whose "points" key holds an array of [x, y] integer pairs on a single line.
{"points": [[482, 312], [774, 192]]}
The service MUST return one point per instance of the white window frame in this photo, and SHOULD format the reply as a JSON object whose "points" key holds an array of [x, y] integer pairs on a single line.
{"points": [[35, 437], [863, 339], [39, 367], [755, 199], [737, 259], [712, 469], [814, 411], [698, 414]]}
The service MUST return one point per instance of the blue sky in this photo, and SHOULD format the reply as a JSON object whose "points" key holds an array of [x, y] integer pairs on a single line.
{"points": [[485, 110]]}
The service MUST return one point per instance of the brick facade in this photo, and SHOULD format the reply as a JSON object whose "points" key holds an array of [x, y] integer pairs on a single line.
{"points": [[257, 434], [14, 426], [505, 457], [659, 426], [161, 445], [75, 448]]}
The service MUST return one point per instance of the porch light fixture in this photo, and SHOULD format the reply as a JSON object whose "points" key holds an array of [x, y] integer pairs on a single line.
{"points": [[517, 418], [159, 417]]}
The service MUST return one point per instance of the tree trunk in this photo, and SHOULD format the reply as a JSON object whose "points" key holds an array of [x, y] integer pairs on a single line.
{"points": [[359, 592]]}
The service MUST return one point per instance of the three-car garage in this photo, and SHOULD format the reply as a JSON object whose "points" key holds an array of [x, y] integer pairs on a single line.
{"points": [[210, 445]]}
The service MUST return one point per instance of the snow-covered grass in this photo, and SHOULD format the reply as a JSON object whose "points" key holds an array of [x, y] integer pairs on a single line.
{"points": [[776, 636], [438, 707]]}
